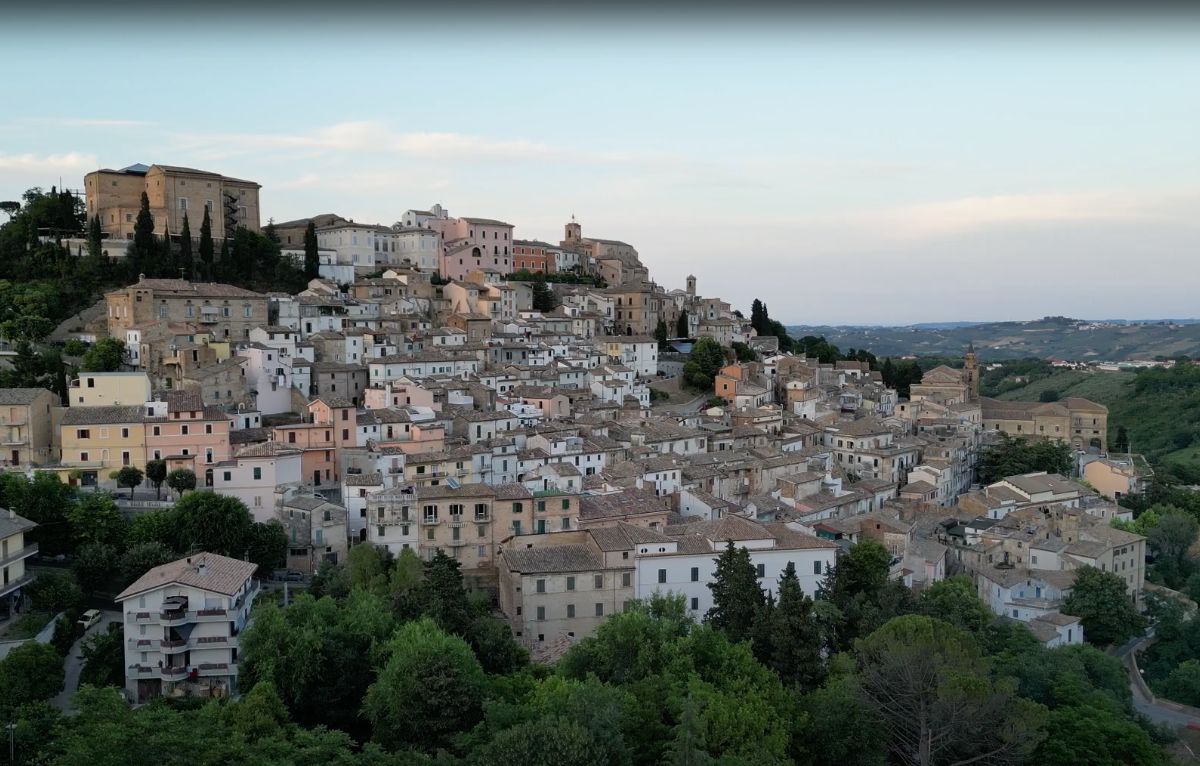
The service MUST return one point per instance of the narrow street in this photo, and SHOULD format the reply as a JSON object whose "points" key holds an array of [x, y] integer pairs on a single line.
{"points": [[74, 663], [1154, 710]]}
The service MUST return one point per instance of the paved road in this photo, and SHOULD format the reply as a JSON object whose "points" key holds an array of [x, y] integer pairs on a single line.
{"points": [[74, 662], [1155, 711], [695, 405]]}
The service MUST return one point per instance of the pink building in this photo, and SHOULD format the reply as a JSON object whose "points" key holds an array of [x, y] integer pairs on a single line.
{"points": [[332, 426], [474, 244], [186, 433]]}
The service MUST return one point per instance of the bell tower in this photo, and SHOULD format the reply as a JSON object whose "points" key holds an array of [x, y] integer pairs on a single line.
{"points": [[971, 372], [691, 285], [573, 233]]}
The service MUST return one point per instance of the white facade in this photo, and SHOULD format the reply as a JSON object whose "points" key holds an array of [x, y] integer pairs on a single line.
{"points": [[252, 478], [689, 574], [181, 634]]}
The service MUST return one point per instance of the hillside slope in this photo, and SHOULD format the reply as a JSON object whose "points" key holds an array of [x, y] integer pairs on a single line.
{"points": [[1050, 338]]}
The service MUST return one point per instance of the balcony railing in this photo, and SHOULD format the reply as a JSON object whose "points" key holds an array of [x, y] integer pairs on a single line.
{"points": [[23, 553], [13, 585]]}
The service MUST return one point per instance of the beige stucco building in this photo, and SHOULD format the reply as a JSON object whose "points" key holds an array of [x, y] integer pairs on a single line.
{"points": [[226, 311], [1080, 422], [116, 196], [25, 426]]}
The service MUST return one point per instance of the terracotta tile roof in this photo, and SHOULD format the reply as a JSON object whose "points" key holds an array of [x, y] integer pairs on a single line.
{"points": [[207, 571]]}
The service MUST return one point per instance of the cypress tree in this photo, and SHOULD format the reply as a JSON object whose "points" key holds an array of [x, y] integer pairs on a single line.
{"points": [[166, 263], [206, 248], [224, 269], [312, 261], [185, 249], [144, 247], [787, 638], [95, 245], [682, 325], [737, 598]]}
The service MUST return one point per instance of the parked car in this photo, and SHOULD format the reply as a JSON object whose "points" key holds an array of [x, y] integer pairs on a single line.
{"points": [[89, 618], [288, 575]]}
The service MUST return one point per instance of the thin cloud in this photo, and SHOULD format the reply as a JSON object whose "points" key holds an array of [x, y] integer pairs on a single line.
{"points": [[32, 164]]}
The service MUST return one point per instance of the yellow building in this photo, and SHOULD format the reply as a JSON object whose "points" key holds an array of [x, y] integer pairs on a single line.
{"points": [[116, 197], [99, 440], [109, 389], [13, 552]]}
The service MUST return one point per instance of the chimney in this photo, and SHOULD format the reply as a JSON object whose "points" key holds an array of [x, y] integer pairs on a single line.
{"points": [[201, 568]]}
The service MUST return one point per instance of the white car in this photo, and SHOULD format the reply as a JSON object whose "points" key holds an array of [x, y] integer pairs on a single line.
{"points": [[89, 618]]}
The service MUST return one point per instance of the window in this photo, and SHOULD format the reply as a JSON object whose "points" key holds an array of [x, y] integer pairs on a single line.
{"points": [[626, 580], [762, 570], [566, 504], [257, 473], [816, 567], [599, 581], [541, 505], [541, 612], [695, 574], [518, 508], [183, 430], [541, 586], [662, 575], [83, 433], [570, 610], [208, 428], [570, 583], [695, 604], [599, 610]]}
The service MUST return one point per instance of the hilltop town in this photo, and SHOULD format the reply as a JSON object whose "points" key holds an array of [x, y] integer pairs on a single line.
{"points": [[576, 438]]}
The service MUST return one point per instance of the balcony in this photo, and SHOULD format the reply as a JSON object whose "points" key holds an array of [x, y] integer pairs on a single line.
{"points": [[173, 646], [459, 543], [429, 519], [217, 669], [13, 585], [24, 553], [173, 617], [179, 673]]}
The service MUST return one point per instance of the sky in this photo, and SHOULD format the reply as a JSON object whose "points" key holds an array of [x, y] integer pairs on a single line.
{"points": [[863, 168]]}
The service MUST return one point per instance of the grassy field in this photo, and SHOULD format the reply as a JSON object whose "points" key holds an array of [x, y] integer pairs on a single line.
{"points": [[1103, 387]]}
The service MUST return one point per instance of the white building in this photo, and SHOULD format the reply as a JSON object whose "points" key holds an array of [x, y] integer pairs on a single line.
{"points": [[687, 565], [182, 622], [254, 473]]}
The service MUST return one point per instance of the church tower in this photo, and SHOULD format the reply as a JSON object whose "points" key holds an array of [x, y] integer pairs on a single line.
{"points": [[573, 233], [971, 372], [691, 285]]}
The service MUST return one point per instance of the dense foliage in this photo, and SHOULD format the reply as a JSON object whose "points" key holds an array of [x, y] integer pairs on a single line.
{"points": [[388, 664], [1015, 455]]}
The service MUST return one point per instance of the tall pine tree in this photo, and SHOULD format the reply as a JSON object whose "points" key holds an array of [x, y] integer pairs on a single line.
{"points": [[682, 325], [185, 249], [206, 248], [95, 243], [737, 598], [787, 639], [143, 252], [312, 261]]}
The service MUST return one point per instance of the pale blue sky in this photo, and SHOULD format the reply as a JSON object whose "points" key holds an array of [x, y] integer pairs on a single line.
{"points": [[849, 170]]}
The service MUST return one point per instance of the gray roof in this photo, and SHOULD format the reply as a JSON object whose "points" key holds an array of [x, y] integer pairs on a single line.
{"points": [[11, 523], [12, 396], [552, 558], [92, 416]]}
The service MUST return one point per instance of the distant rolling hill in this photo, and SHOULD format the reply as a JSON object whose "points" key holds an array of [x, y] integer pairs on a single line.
{"points": [[1049, 338]]}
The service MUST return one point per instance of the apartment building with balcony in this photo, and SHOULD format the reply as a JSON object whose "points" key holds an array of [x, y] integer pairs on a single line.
{"points": [[26, 433], [14, 550], [459, 521], [182, 624]]}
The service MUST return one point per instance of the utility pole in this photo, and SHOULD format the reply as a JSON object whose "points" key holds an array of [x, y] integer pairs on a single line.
{"points": [[12, 727]]}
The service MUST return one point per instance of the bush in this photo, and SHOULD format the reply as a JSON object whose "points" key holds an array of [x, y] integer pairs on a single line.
{"points": [[54, 591], [1049, 395], [66, 632]]}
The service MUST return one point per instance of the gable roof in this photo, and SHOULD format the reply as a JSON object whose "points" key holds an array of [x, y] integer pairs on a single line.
{"points": [[207, 571]]}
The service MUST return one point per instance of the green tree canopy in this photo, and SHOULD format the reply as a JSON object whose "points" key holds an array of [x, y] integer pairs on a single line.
{"points": [[704, 362], [105, 355], [430, 689], [737, 596], [1104, 607]]}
